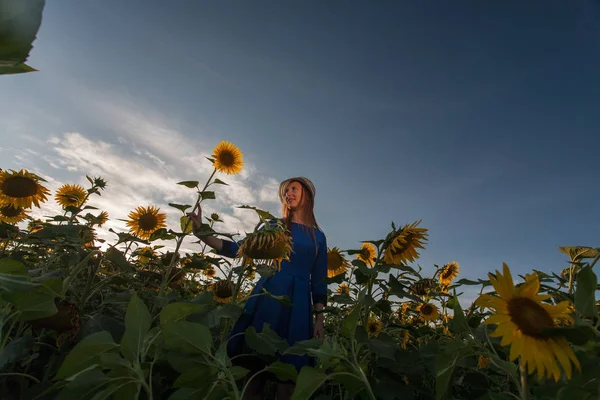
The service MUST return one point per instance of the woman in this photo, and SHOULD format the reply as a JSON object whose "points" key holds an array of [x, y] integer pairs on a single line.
{"points": [[302, 279]]}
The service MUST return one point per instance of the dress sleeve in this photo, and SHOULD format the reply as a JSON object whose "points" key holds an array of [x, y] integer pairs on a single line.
{"points": [[229, 249], [319, 274]]}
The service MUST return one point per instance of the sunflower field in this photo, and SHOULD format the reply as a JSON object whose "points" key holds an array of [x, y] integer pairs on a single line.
{"points": [[133, 319]]}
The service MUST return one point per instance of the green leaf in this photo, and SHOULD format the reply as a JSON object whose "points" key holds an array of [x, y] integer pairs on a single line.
{"points": [[340, 278], [32, 304], [189, 394], [15, 350], [283, 300], [304, 347], [238, 372], [585, 295], [444, 365], [465, 281], [137, 325], [189, 184], [207, 195], [16, 69], [118, 258], [19, 25], [186, 224], [578, 335], [14, 276], [266, 342], [459, 322], [161, 234], [86, 353], [349, 323], [384, 346], [309, 380], [570, 393], [181, 207], [177, 311], [263, 215], [397, 289], [219, 182], [189, 337], [283, 371]]}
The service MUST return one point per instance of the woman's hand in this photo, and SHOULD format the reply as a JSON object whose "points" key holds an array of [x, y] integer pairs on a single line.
{"points": [[196, 219], [319, 331]]}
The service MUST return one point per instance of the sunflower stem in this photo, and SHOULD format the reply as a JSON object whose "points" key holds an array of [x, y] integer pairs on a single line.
{"points": [[199, 199], [524, 388]]}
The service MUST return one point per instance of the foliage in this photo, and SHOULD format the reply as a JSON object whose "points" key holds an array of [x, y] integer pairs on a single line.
{"points": [[83, 318]]}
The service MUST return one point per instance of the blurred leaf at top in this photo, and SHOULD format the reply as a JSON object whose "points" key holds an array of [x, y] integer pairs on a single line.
{"points": [[19, 24]]}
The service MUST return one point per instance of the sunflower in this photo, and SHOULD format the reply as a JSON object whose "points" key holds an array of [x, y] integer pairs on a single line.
{"points": [[405, 338], [428, 311], [12, 215], [367, 254], [336, 263], [70, 196], [374, 326], [223, 291], [404, 245], [22, 189], [482, 361], [145, 254], [228, 158], [215, 217], [144, 221], [422, 286], [272, 245], [209, 272], [87, 236], [448, 273], [102, 218], [343, 288], [520, 316], [35, 225]]}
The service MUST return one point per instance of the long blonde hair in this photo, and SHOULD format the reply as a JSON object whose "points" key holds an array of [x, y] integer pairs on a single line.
{"points": [[306, 211]]}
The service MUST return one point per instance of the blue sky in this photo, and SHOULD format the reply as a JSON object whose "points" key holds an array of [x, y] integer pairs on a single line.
{"points": [[481, 119]]}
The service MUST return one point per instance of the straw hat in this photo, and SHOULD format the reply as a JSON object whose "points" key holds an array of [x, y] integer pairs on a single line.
{"points": [[305, 181]]}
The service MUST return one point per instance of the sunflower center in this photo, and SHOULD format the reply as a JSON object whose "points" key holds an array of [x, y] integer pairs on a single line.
{"points": [[227, 158], [19, 187], [373, 327], [223, 290], [147, 222], [529, 316], [447, 273], [10, 211], [335, 261], [426, 309]]}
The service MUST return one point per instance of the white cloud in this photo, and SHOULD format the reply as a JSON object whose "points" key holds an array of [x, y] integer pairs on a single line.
{"points": [[137, 177]]}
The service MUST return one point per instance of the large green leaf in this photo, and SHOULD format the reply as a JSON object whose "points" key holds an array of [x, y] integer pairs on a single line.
{"points": [[348, 328], [189, 337], [266, 342], [177, 311], [15, 350], [14, 276], [585, 295], [118, 258], [86, 353], [444, 364], [309, 380], [459, 322], [19, 24], [283, 371], [32, 304], [137, 325]]}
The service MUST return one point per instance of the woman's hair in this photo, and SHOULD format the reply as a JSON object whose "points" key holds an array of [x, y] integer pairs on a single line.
{"points": [[305, 209]]}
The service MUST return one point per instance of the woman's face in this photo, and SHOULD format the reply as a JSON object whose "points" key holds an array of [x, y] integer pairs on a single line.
{"points": [[293, 195]]}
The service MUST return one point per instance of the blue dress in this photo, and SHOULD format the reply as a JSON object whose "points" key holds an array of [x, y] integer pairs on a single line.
{"points": [[302, 279]]}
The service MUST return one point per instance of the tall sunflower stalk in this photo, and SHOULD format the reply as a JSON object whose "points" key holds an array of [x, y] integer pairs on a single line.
{"points": [[226, 158]]}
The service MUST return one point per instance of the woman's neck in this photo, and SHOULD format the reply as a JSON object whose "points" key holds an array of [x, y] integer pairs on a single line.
{"points": [[298, 219]]}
